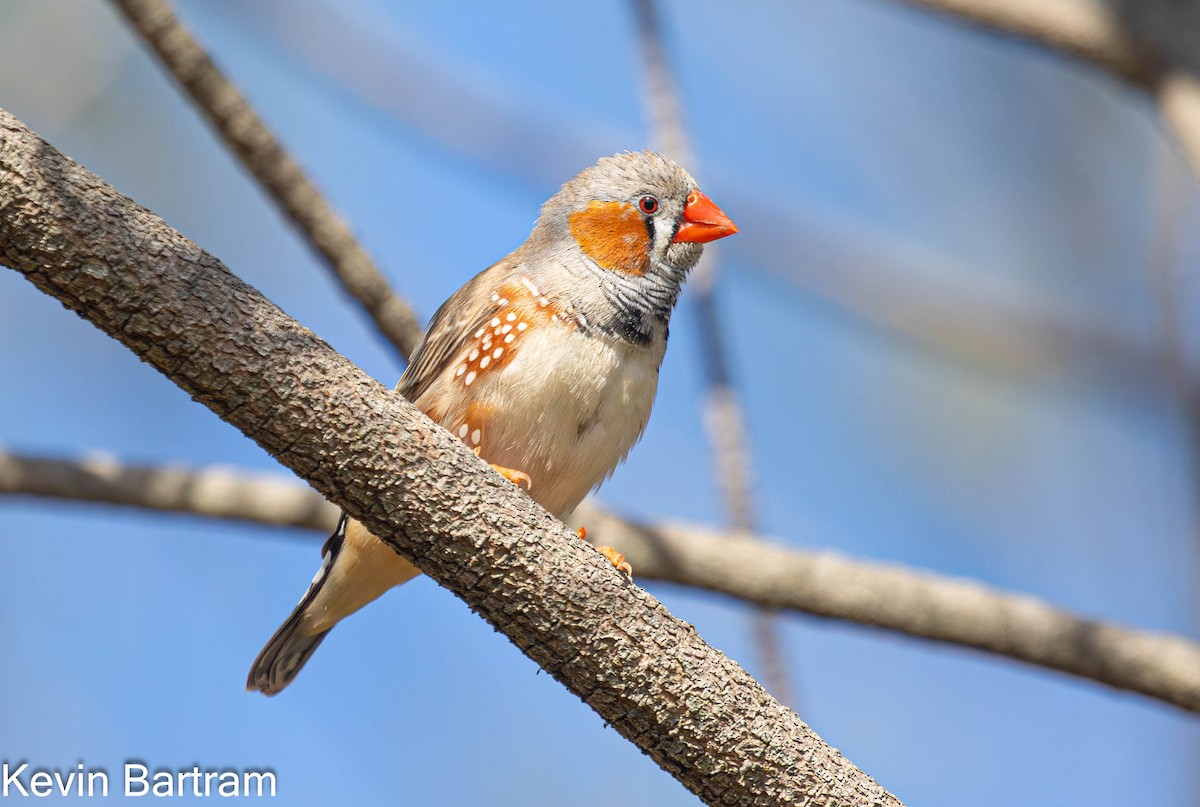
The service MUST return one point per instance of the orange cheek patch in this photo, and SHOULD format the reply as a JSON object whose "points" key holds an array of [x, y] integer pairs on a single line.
{"points": [[614, 235]]}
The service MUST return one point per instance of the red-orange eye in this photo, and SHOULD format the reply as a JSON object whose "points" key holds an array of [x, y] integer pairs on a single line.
{"points": [[648, 205]]}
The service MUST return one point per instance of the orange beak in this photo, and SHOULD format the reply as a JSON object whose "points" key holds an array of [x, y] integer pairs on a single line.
{"points": [[703, 221]]}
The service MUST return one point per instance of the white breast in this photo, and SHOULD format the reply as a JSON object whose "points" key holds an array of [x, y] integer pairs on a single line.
{"points": [[567, 409]]}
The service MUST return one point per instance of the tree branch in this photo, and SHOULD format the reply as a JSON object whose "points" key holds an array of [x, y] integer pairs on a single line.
{"points": [[1080, 28], [893, 597], [1149, 43], [761, 572], [265, 158], [723, 415], [214, 492], [699, 715]]}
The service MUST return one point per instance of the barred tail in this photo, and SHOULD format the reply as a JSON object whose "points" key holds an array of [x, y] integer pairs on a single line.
{"points": [[283, 657], [288, 650], [356, 568]]}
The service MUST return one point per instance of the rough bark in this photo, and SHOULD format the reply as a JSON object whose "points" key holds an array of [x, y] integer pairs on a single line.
{"points": [[647, 674]]}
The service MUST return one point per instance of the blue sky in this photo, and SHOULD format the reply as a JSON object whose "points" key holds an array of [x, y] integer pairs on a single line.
{"points": [[944, 311]]}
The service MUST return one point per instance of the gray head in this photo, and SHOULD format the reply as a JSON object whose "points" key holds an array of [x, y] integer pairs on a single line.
{"points": [[635, 213], [627, 230]]}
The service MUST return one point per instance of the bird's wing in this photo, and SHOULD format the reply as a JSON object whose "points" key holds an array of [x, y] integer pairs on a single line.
{"points": [[451, 328]]}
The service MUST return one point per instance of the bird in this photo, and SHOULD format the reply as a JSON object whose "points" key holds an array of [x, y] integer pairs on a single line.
{"points": [[545, 364]]}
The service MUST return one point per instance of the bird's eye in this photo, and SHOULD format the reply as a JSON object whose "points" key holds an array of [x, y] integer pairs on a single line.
{"points": [[648, 205]]}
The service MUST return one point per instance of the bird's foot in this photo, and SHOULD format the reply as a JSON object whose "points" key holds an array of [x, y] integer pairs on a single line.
{"points": [[518, 478], [617, 559], [614, 557]]}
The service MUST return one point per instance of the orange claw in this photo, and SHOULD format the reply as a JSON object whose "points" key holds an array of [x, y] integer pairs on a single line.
{"points": [[614, 557], [617, 559], [518, 478]]}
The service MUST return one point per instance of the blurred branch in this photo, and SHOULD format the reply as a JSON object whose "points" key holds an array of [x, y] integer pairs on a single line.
{"points": [[1152, 44], [649, 675], [724, 419], [266, 159], [437, 96], [1081, 28], [215, 492], [887, 596]]}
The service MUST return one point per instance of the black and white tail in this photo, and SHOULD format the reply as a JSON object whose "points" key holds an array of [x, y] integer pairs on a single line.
{"points": [[288, 650]]}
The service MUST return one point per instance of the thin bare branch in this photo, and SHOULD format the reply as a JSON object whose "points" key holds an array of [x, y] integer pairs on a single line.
{"points": [[1080, 28], [916, 603], [723, 416], [1178, 95], [1149, 43], [758, 571], [214, 492], [699, 715], [266, 159]]}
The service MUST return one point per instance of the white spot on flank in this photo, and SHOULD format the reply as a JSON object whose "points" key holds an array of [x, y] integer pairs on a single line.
{"points": [[497, 353], [475, 436], [495, 322], [473, 355], [508, 339], [470, 377], [484, 362], [543, 302], [511, 316], [503, 301], [462, 368], [506, 329], [479, 333], [462, 431], [522, 326], [495, 297]]}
